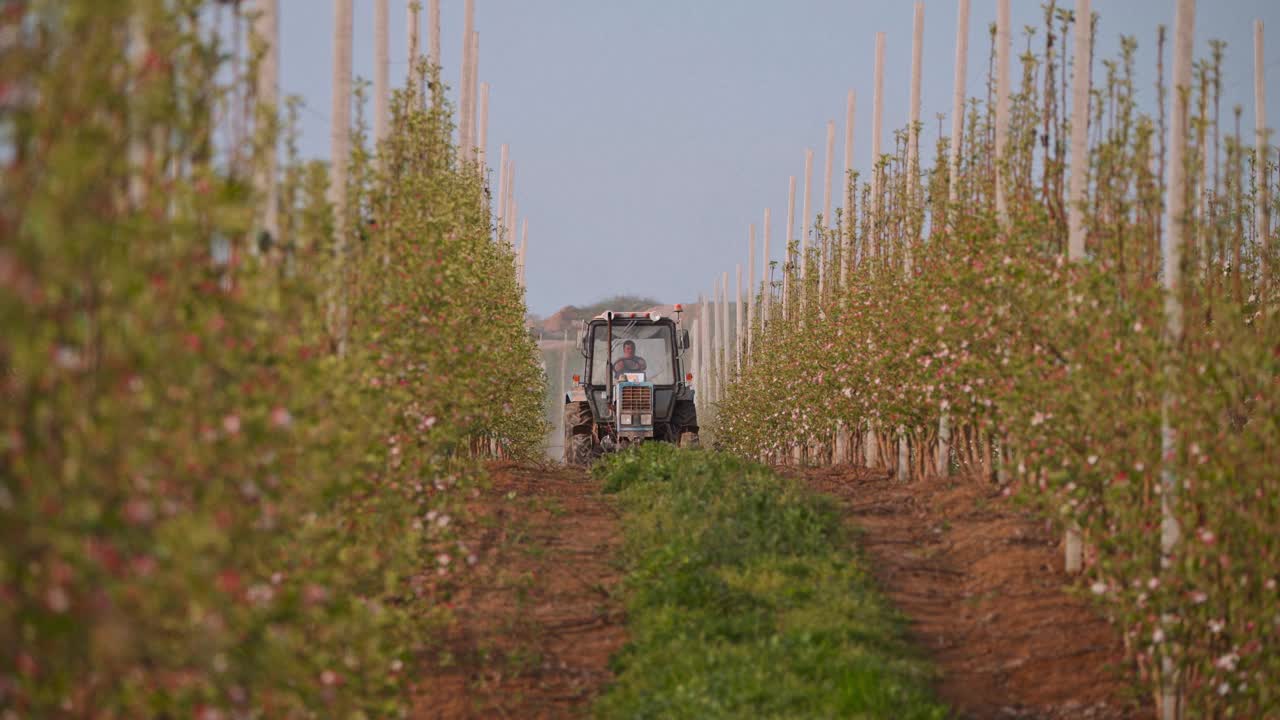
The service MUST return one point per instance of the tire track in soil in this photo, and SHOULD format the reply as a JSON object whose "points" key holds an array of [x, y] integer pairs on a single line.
{"points": [[536, 620], [982, 587]]}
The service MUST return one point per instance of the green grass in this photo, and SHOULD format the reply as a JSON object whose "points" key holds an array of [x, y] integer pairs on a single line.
{"points": [[744, 600]]}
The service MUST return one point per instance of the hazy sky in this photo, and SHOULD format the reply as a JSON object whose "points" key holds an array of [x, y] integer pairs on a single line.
{"points": [[647, 135]]}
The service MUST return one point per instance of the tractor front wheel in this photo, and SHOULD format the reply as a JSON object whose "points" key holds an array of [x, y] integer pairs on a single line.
{"points": [[578, 439]]}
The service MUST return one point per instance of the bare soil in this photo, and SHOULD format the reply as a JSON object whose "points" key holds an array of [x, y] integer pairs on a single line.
{"points": [[538, 616], [982, 586], [979, 581]]}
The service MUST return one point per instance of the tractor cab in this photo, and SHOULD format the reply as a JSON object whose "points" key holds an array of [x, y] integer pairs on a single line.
{"points": [[633, 387]]}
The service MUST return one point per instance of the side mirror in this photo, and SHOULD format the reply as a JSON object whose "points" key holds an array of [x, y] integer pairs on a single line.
{"points": [[684, 339]]}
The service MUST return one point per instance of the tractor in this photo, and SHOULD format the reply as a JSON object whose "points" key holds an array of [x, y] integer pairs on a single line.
{"points": [[633, 387]]}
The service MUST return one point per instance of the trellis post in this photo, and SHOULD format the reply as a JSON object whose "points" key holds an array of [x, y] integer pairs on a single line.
{"points": [[1171, 254], [847, 250], [1073, 543], [751, 294], [1004, 43]]}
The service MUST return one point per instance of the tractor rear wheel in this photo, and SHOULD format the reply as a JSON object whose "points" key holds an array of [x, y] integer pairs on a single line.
{"points": [[578, 440], [684, 423]]}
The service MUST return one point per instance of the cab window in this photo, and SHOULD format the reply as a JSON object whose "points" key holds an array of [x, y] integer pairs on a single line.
{"points": [[653, 343]]}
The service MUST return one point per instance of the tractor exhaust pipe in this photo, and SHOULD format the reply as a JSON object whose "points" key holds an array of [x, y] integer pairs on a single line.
{"points": [[608, 316]]}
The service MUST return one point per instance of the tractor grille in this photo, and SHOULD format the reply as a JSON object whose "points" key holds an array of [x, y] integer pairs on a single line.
{"points": [[636, 400]]}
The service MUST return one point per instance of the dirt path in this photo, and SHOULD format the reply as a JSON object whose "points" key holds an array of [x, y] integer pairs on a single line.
{"points": [[981, 584], [537, 618]]}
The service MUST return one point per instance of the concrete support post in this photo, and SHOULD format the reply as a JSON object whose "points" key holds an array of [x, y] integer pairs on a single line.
{"points": [[1171, 252]]}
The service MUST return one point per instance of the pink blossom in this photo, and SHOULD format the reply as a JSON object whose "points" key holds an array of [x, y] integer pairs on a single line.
{"points": [[139, 511], [315, 594], [281, 418], [57, 600], [260, 595]]}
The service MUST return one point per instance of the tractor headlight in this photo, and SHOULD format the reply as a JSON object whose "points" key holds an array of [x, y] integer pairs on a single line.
{"points": [[646, 419]]}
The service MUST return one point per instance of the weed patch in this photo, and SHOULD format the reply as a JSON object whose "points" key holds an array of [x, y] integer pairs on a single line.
{"points": [[744, 601]]}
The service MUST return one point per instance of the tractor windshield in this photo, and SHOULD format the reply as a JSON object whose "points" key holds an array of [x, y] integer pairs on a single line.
{"points": [[652, 347]]}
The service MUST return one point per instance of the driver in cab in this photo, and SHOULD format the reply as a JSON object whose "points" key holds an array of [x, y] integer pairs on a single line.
{"points": [[629, 362]]}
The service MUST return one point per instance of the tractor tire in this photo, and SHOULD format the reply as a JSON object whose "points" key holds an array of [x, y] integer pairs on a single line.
{"points": [[684, 420], [578, 439], [578, 451]]}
